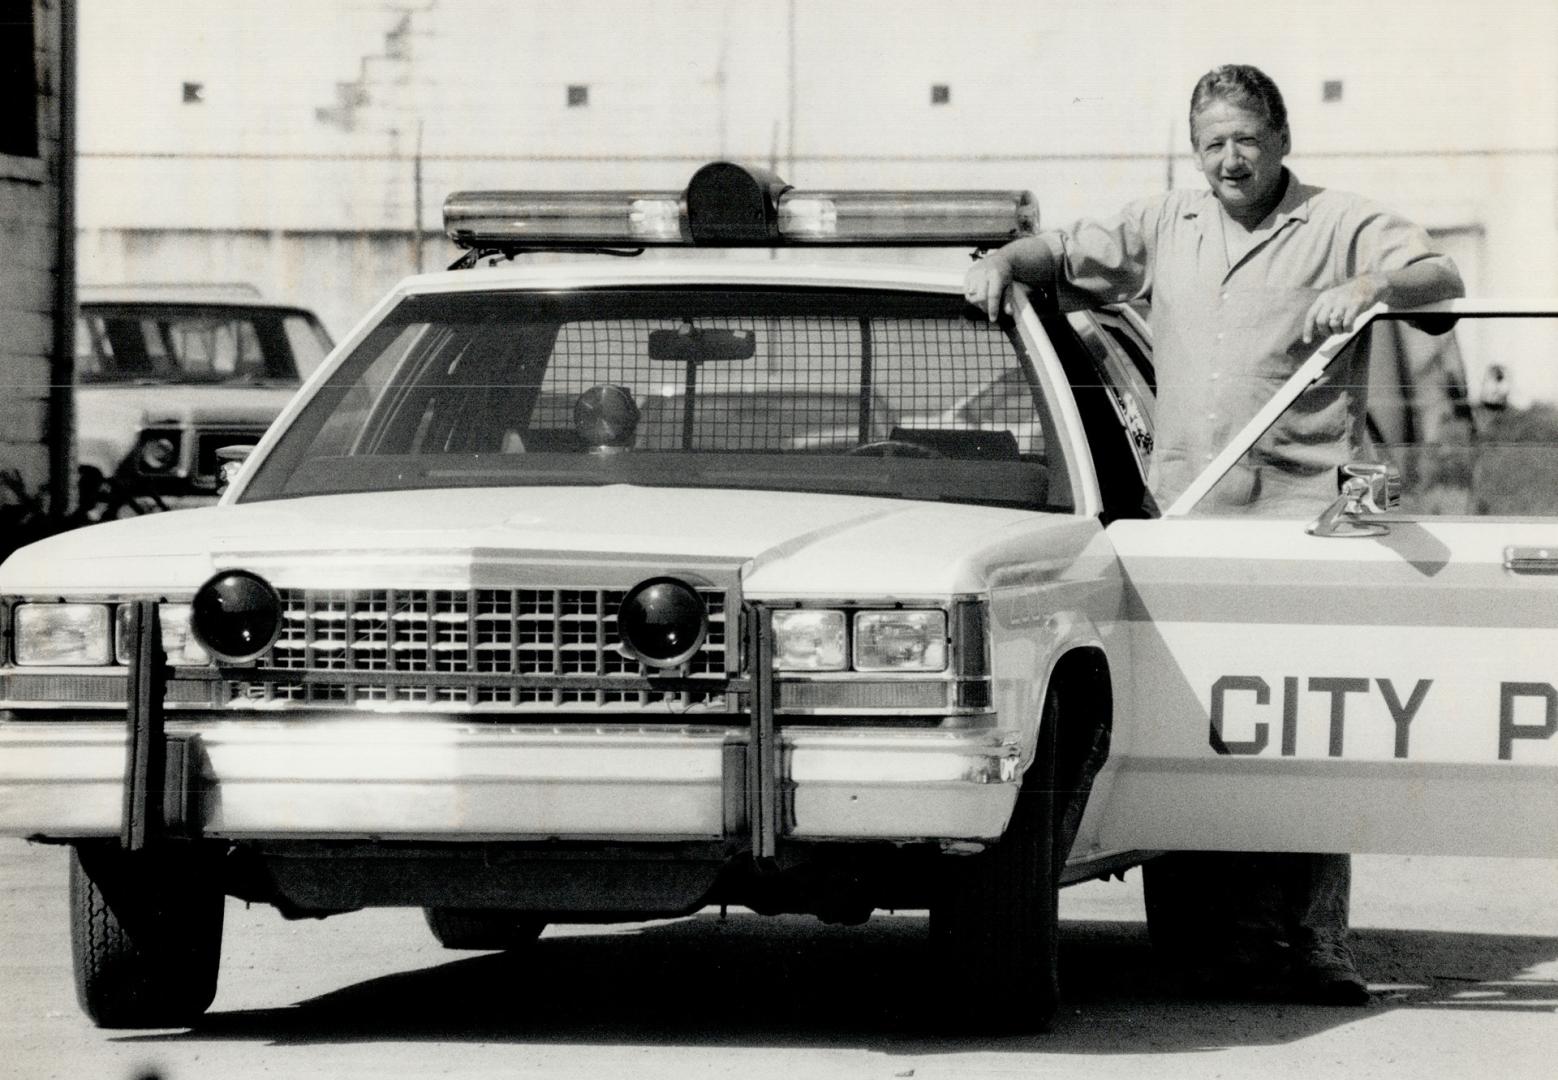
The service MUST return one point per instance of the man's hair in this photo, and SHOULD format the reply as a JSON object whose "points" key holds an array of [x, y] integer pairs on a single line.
{"points": [[1243, 85]]}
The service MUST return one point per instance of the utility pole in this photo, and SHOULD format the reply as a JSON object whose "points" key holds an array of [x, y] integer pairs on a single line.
{"points": [[419, 262]]}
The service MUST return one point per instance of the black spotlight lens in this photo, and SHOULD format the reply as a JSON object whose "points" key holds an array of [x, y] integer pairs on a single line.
{"points": [[236, 615], [662, 622]]}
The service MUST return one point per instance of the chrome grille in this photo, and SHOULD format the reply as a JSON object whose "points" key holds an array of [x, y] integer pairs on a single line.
{"points": [[545, 648]]}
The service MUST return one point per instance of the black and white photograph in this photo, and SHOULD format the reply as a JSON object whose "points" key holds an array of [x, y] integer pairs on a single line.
{"points": [[416, 659]]}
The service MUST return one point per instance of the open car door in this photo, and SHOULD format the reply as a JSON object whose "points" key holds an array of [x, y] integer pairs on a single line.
{"points": [[1311, 672]]}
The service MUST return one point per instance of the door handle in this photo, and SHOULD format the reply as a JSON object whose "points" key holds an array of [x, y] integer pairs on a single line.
{"points": [[1531, 560]]}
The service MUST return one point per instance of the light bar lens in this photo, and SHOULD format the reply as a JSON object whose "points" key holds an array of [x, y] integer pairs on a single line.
{"points": [[482, 219], [177, 639], [907, 217], [900, 641], [64, 634], [809, 640], [655, 219]]}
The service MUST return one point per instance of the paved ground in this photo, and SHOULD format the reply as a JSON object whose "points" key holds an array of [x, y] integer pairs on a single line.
{"points": [[1463, 952]]}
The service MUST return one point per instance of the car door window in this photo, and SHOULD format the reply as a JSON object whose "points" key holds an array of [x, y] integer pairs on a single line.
{"points": [[1506, 463]]}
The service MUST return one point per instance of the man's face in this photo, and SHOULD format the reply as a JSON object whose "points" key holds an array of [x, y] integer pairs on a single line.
{"points": [[1241, 155]]}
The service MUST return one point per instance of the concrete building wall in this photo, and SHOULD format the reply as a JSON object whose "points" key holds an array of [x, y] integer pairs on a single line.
{"points": [[31, 158], [311, 115]]}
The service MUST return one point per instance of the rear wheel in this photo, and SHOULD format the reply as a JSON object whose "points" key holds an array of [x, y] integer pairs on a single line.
{"points": [[145, 936], [995, 924], [475, 928]]}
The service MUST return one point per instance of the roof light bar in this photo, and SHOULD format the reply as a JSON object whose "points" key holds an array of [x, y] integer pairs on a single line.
{"points": [[729, 205]]}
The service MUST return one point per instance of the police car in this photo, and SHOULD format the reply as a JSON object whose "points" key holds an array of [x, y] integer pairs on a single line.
{"points": [[607, 589]]}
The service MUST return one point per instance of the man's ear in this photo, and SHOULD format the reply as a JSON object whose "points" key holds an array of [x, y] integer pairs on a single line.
{"points": [[1287, 140]]}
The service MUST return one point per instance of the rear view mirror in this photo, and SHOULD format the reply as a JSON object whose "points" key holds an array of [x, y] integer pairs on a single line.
{"points": [[691, 343]]}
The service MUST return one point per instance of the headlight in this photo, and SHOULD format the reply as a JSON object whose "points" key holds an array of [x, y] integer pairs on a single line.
{"points": [[809, 640], [900, 640], [159, 453], [74, 634], [177, 640]]}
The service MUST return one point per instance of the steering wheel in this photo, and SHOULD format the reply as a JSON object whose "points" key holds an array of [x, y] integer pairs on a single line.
{"points": [[894, 448]]}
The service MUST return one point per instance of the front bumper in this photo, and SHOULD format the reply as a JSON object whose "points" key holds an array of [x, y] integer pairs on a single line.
{"points": [[436, 778]]}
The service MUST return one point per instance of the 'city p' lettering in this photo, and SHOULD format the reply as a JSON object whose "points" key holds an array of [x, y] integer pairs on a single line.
{"points": [[1509, 730], [1262, 734]]}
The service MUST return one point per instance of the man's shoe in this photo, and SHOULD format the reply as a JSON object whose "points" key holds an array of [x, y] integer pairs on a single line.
{"points": [[1325, 974]]}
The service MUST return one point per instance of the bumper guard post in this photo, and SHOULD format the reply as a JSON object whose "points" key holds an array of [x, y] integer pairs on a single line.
{"points": [[763, 796], [146, 764]]}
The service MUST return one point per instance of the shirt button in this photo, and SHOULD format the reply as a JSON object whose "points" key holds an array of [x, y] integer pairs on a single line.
{"points": [[1223, 297], [1211, 416], [1213, 375], [1220, 336]]}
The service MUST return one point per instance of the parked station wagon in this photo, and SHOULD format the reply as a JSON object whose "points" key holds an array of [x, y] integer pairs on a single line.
{"points": [[608, 589]]}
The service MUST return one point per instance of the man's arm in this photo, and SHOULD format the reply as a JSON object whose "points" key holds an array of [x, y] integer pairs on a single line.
{"points": [[1030, 259], [1422, 282]]}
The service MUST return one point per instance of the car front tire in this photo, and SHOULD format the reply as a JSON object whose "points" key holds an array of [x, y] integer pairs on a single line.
{"points": [[145, 936], [995, 925]]}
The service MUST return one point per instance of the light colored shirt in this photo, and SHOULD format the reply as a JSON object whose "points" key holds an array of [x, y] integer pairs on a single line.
{"points": [[1227, 324]]}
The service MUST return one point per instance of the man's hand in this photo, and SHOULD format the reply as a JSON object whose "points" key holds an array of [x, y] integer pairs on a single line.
{"points": [[986, 283], [1335, 310]]}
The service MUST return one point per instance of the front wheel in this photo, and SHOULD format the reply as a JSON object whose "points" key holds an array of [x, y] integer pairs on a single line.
{"points": [[996, 922], [145, 936]]}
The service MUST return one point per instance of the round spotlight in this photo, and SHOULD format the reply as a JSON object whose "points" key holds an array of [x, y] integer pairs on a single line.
{"points": [[662, 622], [236, 615]]}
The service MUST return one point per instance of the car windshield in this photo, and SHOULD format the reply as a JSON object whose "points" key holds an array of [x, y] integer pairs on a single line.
{"points": [[195, 343], [901, 395]]}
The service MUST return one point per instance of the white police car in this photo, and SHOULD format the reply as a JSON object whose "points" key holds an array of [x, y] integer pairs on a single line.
{"points": [[609, 589]]}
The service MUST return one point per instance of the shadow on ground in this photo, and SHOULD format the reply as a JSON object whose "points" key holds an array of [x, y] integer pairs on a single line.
{"points": [[791, 982]]}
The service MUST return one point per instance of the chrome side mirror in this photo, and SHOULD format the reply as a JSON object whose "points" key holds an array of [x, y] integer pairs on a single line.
{"points": [[232, 459], [1365, 488]]}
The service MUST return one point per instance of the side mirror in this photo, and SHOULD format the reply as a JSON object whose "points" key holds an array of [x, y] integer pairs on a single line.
{"points": [[231, 459], [1364, 488]]}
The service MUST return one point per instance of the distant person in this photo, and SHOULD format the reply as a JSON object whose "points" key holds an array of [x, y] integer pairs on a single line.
{"points": [[1243, 280]]}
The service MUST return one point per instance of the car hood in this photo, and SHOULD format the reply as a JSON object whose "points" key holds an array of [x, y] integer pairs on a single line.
{"points": [[793, 544]]}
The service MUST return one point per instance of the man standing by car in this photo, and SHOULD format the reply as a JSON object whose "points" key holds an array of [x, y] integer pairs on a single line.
{"points": [[1244, 281]]}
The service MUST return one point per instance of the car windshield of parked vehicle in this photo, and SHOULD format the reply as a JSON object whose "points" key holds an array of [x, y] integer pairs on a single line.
{"points": [[902, 395], [196, 343], [1487, 452]]}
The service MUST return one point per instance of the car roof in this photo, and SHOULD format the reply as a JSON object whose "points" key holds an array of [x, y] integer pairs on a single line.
{"points": [[713, 270], [216, 294]]}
